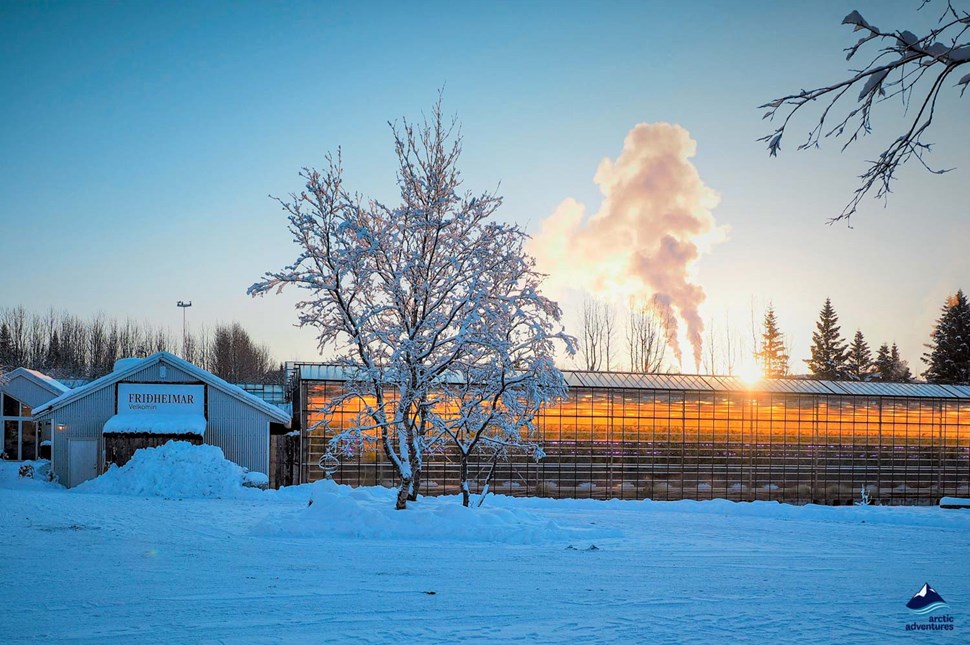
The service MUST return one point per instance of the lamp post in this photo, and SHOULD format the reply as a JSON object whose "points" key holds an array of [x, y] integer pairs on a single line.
{"points": [[183, 306]]}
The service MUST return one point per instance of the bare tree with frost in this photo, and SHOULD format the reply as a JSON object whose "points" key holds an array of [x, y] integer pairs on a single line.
{"points": [[493, 392], [913, 69], [398, 290]]}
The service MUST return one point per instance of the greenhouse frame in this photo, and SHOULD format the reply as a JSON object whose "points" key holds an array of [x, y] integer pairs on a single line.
{"points": [[673, 436]]}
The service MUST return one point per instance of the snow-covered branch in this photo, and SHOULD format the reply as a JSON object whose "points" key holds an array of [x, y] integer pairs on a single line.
{"points": [[914, 68], [409, 294]]}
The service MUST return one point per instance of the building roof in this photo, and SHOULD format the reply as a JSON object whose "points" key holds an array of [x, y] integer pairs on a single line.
{"points": [[208, 378], [705, 383], [40, 379]]}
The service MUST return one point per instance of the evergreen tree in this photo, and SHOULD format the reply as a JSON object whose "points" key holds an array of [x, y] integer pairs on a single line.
{"points": [[828, 347], [949, 357], [859, 365], [900, 368], [883, 364], [52, 361], [6, 345], [889, 367], [773, 356]]}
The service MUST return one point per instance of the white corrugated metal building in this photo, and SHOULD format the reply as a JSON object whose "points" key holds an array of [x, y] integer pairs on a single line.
{"points": [[154, 390], [23, 390]]}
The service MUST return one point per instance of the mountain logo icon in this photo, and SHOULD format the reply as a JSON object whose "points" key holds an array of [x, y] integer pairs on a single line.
{"points": [[926, 601]]}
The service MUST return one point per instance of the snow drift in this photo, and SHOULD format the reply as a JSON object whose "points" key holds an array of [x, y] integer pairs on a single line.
{"points": [[174, 469], [10, 475], [342, 511]]}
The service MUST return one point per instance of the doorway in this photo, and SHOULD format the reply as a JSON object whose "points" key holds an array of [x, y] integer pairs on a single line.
{"points": [[82, 460]]}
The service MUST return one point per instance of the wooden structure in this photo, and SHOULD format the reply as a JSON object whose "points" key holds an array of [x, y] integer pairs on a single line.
{"points": [[120, 447]]}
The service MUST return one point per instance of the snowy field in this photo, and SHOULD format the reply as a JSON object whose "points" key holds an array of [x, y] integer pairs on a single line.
{"points": [[162, 551]]}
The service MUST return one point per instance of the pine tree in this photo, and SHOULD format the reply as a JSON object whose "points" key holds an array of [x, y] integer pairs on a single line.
{"points": [[773, 356], [889, 367], [883, 364], [949, 357], [828, 347], [52, 360], [6, 345], [900, 368], [859, 365]]}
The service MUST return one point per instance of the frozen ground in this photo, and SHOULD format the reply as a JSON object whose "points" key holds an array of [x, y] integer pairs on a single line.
{"points": [[254, 566]]}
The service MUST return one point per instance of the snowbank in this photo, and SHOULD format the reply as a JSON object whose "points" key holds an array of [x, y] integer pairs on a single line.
{"points": [[924, 516], [341, 511], [10, 475], [955, 502], [175, 469]]}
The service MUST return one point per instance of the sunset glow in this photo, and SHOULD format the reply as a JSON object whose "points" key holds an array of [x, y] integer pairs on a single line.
{"points": [[750, 372]]}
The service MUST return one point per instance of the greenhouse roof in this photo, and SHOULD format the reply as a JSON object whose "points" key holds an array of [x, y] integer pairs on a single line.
{"points": [[704, 383]]}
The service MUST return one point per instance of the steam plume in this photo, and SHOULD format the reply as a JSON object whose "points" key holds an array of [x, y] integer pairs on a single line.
{"points": [[647, 234]]}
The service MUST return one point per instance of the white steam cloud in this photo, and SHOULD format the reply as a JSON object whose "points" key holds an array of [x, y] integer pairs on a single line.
{"points": [[644, 240]]}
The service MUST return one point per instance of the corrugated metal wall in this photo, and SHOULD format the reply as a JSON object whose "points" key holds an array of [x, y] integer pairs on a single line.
{"points": [[81, 419], [153, 374], [241, 431]]}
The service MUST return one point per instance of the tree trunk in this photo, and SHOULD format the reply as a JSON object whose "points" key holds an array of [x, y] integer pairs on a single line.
{"points": [[415, 458], [464, 479], [415, 483], [402, 494], [488, 481]]}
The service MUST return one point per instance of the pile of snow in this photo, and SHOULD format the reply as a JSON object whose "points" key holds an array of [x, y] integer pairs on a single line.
{"points": [[955, 502], [10, 474], [175, 469], [255, 479], [341, 511], [125, 363]]}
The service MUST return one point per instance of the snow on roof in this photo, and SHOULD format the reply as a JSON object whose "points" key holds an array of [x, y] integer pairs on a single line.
{"points": [[269, 409], [155, 424], [54, 383], [125, 363]]}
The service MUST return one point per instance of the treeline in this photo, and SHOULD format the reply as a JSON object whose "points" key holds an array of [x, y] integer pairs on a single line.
{"points": [[66, 346], [836, 359], [833, 357]]}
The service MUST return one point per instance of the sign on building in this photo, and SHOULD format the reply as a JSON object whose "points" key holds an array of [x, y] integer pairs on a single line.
{"points": [[141, 398]]}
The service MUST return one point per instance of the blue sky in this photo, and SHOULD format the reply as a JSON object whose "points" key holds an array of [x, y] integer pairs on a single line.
{"points": [[139, 142]]}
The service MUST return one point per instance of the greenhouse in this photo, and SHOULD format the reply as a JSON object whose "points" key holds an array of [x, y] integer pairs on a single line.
{"points": [[671, 437]]}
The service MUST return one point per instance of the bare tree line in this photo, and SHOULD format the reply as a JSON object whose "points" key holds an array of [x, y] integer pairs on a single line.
{"points": [[67, 346], [723, 347], [598, 335], [647, 330], [647, 336]]}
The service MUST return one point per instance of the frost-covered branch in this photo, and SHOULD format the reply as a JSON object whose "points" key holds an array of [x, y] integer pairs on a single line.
{"points": [[405, 293], [914, 68]]}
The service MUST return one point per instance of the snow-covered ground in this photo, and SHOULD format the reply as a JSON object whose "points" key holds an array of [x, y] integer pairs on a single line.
{"points": [[218, 562]]}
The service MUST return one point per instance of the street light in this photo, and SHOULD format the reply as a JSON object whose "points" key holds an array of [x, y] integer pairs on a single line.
{"points": [[183, 306]]}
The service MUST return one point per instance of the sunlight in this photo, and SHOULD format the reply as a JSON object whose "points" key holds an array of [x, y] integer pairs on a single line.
{"points": [[750, 373]]}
